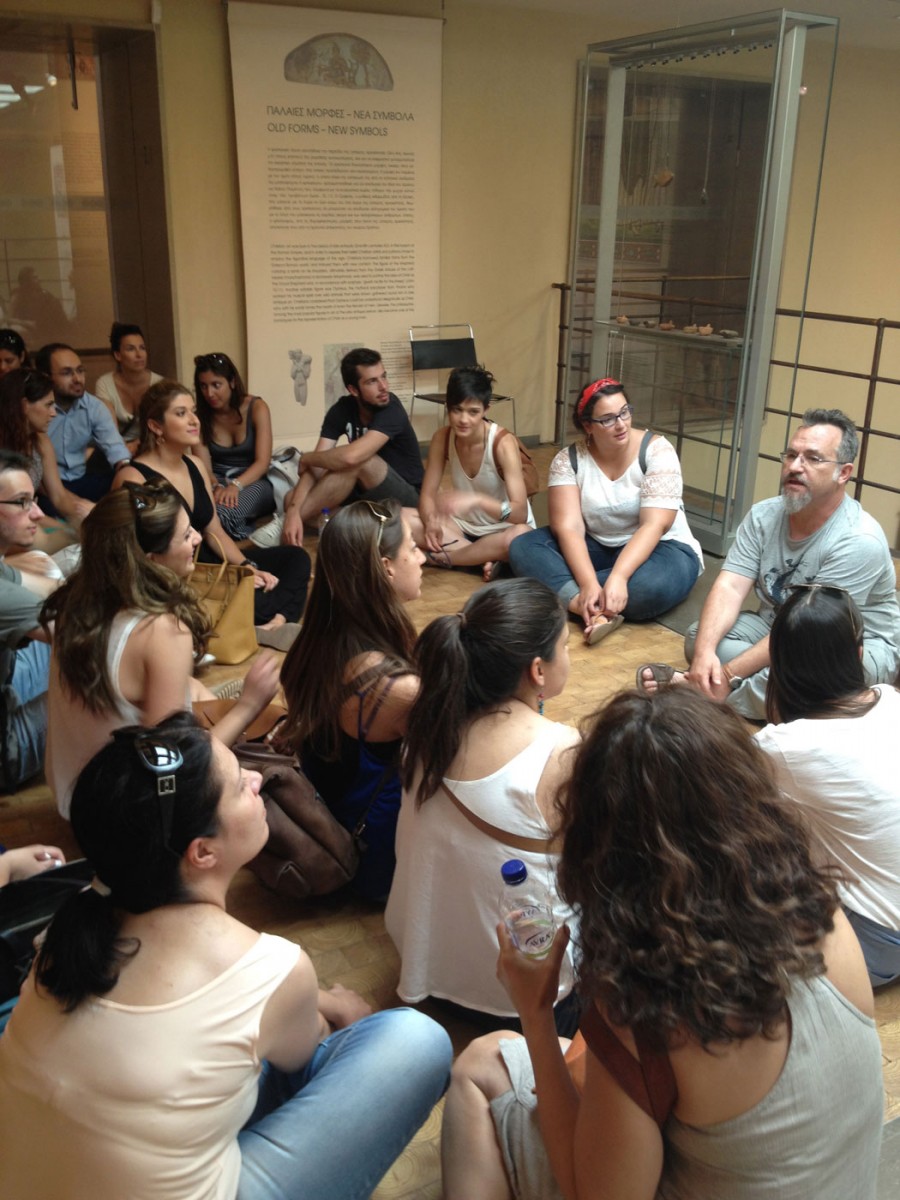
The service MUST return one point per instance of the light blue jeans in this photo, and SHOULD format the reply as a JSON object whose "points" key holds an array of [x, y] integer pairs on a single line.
{"points": [[332, 1129], [879, 664], [656, 586], [27, 717]]}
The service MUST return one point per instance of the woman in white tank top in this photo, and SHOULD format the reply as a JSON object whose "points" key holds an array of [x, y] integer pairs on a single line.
{"points": [[127, 632], [474, 522]]}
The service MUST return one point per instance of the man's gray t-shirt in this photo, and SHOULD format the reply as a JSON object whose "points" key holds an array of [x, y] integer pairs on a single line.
{"points": [[850, 551]]}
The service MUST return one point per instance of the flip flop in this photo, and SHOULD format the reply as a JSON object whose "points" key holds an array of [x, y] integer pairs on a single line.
{"points": [[598, 632], [494, 573], [662, 673], [439, 558]]}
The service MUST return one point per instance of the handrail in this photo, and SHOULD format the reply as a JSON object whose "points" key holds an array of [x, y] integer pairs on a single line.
{"points": [[872, 377]]}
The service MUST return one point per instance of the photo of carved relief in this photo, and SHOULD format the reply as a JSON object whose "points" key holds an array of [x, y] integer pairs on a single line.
{"points": [[339, 60], [301, 365]]}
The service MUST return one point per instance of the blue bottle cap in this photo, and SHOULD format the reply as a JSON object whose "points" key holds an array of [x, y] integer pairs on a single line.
{"points": [[514, 871]]}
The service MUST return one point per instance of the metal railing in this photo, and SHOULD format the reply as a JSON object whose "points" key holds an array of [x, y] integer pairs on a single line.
{"points": [[862, 478]]}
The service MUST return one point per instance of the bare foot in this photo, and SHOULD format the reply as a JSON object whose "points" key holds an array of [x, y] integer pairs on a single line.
{"points": [[277, 621]]}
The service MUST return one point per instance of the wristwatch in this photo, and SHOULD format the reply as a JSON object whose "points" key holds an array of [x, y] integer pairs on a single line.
{"points": [[733, 681]]}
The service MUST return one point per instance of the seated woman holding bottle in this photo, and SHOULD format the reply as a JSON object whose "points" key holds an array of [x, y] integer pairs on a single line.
{"points": [[161, 1047], [348, 680], [829, 742], [482, 768], [474, 523], [731, 1048]]}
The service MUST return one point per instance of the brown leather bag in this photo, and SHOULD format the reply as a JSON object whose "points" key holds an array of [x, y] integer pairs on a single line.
{"points": [[308, 852]]}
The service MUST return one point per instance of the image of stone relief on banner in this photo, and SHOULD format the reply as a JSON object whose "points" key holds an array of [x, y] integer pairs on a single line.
{"points": [[338, 138]]}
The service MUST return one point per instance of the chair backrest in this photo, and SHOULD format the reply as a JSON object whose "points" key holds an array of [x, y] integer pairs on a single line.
{"points": [[442, 347], [443, 354]]}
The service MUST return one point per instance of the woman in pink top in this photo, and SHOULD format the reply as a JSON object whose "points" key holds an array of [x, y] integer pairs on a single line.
{"points": [[165, 1050]]}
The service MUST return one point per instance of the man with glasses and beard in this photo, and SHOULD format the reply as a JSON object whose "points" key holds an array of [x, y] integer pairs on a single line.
{"points": [[813, 532], [26, 579], [380, 461]]}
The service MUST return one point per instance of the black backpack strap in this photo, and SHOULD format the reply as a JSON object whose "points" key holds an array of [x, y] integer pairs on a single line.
{"points": [[642, 452], [573, 458]]}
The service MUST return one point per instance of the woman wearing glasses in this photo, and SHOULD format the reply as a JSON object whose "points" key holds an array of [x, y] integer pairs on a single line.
{"points": [[618, 544], [237, 444], [170, 433], [128, 631], [829, 742], [161, 1047], [347, 679], [27, 407]]}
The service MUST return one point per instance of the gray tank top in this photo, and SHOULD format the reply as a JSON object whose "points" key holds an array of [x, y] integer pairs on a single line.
{"points": [[820, 1125]]}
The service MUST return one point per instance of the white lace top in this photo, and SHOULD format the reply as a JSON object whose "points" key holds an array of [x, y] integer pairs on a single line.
{"points": [[612, 507]]}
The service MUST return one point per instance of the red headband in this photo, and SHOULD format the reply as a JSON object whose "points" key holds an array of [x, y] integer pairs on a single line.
{"points": [[591, 391]]}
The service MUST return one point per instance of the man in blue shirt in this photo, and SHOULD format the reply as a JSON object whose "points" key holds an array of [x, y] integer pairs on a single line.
{"points": [[82, 422]]}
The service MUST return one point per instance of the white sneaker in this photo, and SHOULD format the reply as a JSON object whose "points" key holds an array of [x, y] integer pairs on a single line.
{"points": [[270, 533]]}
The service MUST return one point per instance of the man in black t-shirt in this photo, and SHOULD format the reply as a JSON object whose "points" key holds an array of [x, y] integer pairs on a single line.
{"points": [[381, 459]]}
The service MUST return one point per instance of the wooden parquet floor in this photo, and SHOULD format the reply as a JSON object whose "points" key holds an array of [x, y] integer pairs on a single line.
{"points": [[346, 939]]}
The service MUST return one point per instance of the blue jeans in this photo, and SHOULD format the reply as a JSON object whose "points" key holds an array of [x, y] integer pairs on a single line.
{"points": [[27, 717], [656, 586], [880, 947], [331, 1130]]}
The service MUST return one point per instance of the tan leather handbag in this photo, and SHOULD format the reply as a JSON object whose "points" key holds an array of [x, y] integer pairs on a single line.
{"points": [[226, 593]]}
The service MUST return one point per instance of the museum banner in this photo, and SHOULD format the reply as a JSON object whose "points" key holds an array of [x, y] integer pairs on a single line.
{"points": [[338, 119]]}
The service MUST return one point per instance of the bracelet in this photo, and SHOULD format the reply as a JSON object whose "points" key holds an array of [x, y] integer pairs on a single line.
{"points": [[237, 483], [505, 510], [246, 562]]}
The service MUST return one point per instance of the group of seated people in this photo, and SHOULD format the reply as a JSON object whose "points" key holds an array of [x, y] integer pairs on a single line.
{"points": [[724, 899]]}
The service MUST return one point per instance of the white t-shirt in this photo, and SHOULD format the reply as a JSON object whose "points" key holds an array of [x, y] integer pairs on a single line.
{"points": [[842, 772], [612, 507]]}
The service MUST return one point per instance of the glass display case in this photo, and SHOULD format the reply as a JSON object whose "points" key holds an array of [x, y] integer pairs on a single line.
{"points": [[687, 185]]}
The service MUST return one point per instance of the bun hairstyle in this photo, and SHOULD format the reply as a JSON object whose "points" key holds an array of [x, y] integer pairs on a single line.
{"points": [[471, 662], [135, 845]]}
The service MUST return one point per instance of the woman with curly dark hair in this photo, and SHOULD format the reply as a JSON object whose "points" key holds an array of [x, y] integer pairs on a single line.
{"points": [[729, 1012]]}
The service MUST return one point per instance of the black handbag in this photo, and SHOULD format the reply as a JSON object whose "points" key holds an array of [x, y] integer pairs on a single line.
{"points": [[26, 909]]}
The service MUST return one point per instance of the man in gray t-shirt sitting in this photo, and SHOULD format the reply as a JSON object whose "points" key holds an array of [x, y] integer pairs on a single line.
{"points": [[812, 533]]}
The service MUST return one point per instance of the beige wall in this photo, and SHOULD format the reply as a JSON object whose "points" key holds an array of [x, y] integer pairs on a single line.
{"points": [[508, 115]]}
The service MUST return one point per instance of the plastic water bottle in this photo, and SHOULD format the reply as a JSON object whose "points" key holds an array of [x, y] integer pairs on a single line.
{"points": [[526, 910], [324, 518]]}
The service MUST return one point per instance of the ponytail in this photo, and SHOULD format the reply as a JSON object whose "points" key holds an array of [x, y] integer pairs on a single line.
{"points": [[82, 951], [441, 712], [472, 662]]}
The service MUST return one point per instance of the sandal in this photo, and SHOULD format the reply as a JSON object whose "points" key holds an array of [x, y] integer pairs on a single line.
{"points": [[602, 629], [496, 570], [439, 558], [662, 674]]}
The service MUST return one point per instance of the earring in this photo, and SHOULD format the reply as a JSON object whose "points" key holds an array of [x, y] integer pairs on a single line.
{"points": [[540, 704]]}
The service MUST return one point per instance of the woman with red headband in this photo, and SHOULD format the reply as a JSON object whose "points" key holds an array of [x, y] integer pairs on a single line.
{"points": [[618, 544]]}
